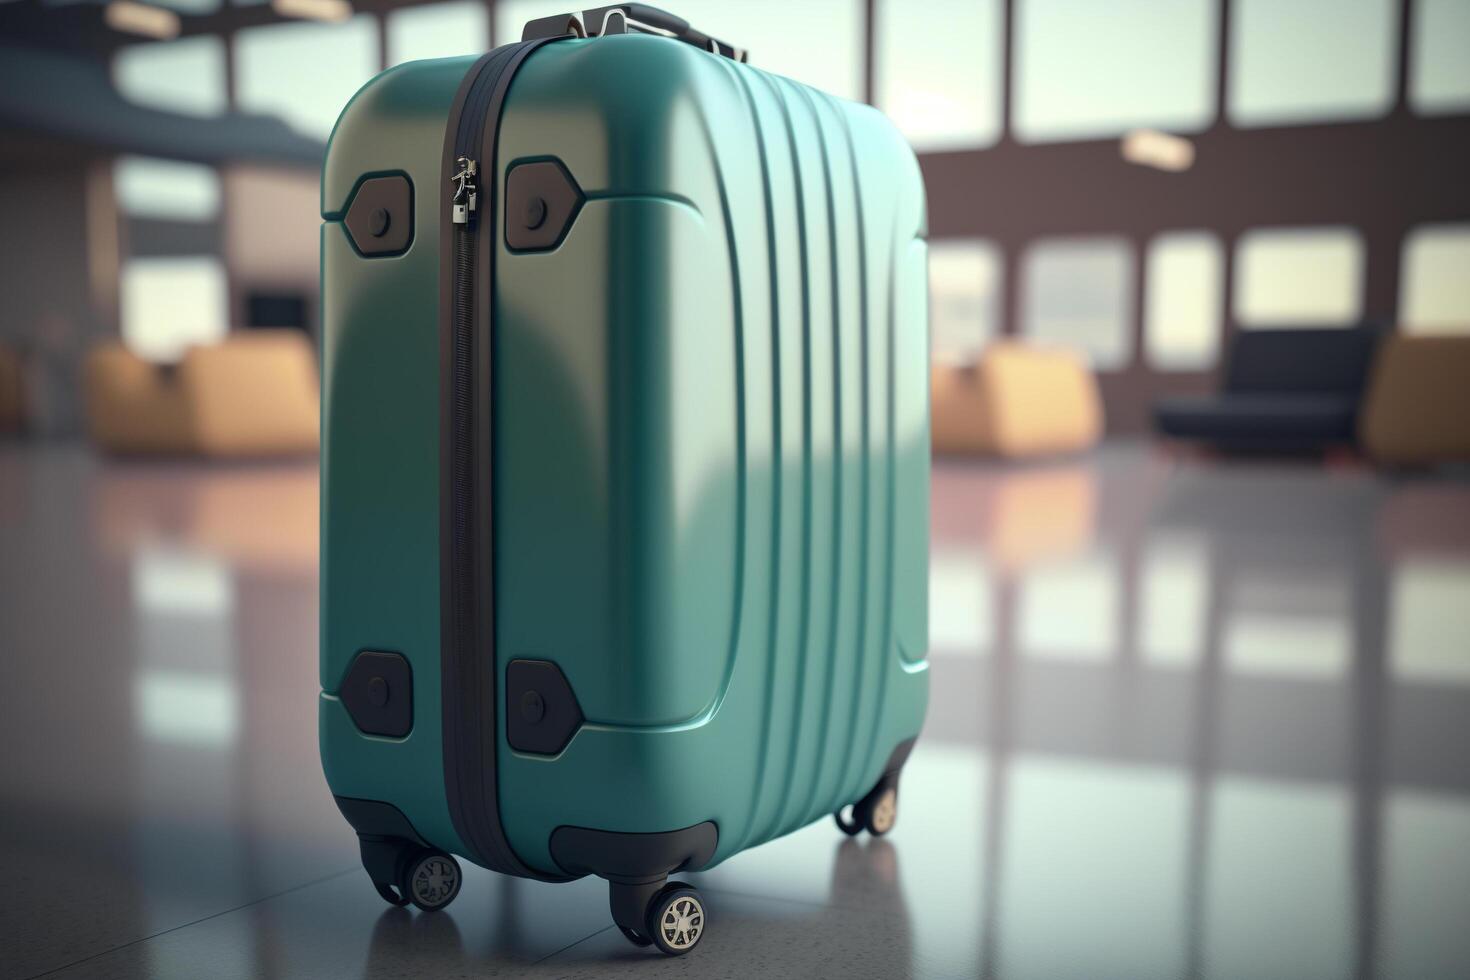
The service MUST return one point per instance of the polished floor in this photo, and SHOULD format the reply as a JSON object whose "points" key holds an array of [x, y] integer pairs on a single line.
{"points": [[1188, 720]]}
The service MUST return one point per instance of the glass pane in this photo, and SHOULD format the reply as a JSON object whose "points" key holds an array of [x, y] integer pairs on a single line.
{"points": [[1310, 60], [1439, 78], [305, 73], [1183, 300], [438, 30], [187, 75], [942, 88], [964, 298], [170, 303], [819, 42], [151, 188], [1434, 289], [1299, 277], [1099, 69], [1078, 292]]}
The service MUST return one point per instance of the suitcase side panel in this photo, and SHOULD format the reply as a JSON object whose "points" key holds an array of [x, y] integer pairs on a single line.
{"points": [[711, 436], [380, 444]]}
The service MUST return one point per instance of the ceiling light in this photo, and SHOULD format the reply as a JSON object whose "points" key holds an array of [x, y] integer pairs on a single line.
{"points": [[1151, 148], [332, 11], [139, 18]]}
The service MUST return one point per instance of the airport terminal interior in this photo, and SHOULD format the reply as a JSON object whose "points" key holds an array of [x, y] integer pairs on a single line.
{"points": [[1199, 579]]}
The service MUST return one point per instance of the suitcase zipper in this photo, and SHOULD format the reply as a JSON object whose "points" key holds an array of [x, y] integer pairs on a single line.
{"points": [[468, 682], [466, 192], [461, 393]]}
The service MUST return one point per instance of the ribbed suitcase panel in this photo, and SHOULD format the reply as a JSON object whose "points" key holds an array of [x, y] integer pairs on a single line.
{"points": [[825, 375], [718, 333]]}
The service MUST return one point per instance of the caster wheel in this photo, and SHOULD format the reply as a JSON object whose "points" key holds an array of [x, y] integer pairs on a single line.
{"points": [[851, 826], [676, 919], [394, 898], [636, 938], [430, 879], [880, 814]]}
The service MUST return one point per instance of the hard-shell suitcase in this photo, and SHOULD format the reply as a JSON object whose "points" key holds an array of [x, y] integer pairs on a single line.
{"points": [[624, 464]]}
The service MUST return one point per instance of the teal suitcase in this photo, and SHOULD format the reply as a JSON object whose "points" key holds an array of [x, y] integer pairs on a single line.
{"points": [[625, 464]]}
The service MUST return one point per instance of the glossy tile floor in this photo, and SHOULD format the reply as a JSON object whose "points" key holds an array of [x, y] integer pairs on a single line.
{"points": [[1195, 720]]}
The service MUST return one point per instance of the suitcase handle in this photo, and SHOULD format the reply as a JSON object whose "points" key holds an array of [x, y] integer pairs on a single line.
{"points": [[629, 18]]}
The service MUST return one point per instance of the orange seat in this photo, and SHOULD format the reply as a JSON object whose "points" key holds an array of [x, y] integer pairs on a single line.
{"points": [[254, 394], [1417, 411], [1017, 400]]}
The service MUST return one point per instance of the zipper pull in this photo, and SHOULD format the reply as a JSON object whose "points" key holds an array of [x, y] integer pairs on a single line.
{"points": [[465, 190]]}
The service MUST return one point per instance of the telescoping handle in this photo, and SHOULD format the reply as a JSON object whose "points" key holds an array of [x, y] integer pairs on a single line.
{"points": [[628, 18]]}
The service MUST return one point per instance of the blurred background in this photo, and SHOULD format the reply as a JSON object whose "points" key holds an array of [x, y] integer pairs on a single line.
{"points": [[1139, 181], [1200, 583]]}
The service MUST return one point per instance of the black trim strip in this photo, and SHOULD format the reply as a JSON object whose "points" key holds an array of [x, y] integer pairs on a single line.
{"points": [[466, 544]]}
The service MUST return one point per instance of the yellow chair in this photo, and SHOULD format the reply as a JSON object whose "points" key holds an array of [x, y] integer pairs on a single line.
{"points": [[254, 394], [1417, 411], [1017, 400]]}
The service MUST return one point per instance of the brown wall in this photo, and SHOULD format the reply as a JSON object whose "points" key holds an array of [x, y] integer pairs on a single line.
{"points": [[58, 278]]}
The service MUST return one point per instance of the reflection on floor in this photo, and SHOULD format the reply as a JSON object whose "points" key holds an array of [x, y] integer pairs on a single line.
{"points": [[1204, 721]]}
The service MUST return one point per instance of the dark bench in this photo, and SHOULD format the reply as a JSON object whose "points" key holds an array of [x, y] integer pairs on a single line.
{"points": [[1286, 390]]}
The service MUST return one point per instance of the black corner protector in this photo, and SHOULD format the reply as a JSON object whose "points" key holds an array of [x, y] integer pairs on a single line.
{"points": [[542, 200], [376, 819], [900, 755], [613, 854], [541, 712], [378, 693], [379, 218]]}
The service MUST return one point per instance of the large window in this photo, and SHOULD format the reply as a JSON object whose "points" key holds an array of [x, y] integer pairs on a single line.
{"points": [[438, 30], [166, 189], [938, 71], [186, 75], [1183, 302], [1439, 79], [819, 42], [964, 298], [1434, 284], [1099, 69], [171, 303], [1294, 61], [305, 73], [1299, 277], [1078, 293]]}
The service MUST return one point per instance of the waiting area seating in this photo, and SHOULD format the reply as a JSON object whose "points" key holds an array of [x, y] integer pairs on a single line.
{"points": [[254, 394], [1417, 410], [1017, 400], [1286, 390]]}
